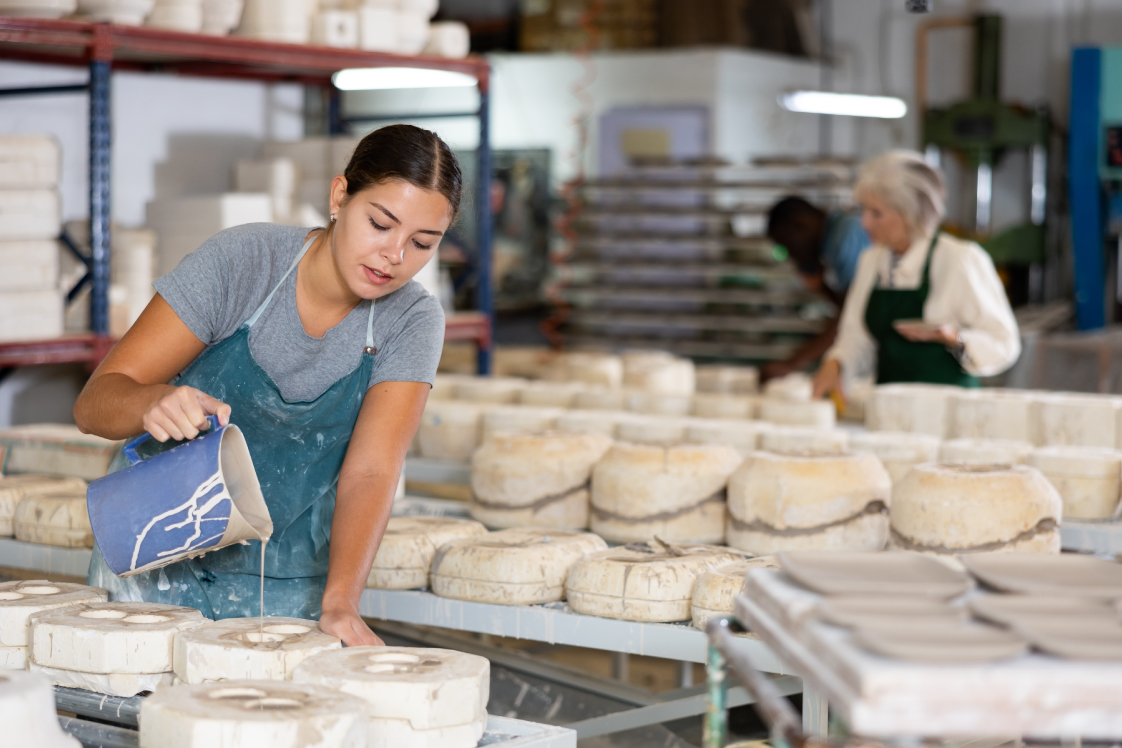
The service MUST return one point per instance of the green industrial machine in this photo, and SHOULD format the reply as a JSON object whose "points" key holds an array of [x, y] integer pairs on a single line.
{"points": [[979, 131]]}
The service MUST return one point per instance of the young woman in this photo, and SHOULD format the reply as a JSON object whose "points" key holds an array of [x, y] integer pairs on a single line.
{"points": [[319, 346], [924, 306]]}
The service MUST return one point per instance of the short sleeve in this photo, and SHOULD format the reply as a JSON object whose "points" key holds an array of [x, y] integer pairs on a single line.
{"points": [[412, 351], [853, 242], [196, 290]]}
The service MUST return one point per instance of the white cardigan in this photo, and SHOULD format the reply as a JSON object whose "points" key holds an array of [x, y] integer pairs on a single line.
{"points": [[965, 292]]}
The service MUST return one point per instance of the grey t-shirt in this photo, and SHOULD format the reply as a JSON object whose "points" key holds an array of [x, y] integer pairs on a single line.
{"points": [[217, 288]]}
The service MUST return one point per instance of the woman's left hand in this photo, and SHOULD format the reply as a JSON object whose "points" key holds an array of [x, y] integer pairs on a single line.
{"points": [[348, 625], [945, 334]]}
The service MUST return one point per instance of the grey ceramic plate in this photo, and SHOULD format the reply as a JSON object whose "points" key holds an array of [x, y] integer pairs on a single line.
{"points": [[1074, 639], [853, 573], [1010, 610], [1066, 574], [877, 610], [942, 642]]}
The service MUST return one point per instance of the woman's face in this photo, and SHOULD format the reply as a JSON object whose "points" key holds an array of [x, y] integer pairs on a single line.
{"points": [[385, 234], [884, 225]]}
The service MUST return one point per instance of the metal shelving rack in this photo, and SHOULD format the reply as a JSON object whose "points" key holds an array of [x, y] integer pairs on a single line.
{"points": [[103, 48], [673, 256]]}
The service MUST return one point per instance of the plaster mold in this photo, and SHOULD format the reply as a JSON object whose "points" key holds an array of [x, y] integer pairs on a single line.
{"points": [[27, 711], [795, 387], [550, 394], [21, 600], [414, 695], [659, 404], [642, 581], [664, 430], [247, 649], [450, 430], [809, 502], [125, 685], [992, 413], [535, 480], [743, 436], [813, 413], [898, 451], [105, 638], [597, 369], [518, 419], [728, 380], [14, 488], [248, 714], [56, 518], [715, 591], [408, 548], [491, 390], [918, 408], [589, 422], [13, 658], [801, 439], [522, 566], [1087, 479], [985, 451], [57, 449], [1080, 420], [711, 405], [658, 372], [674, 493], [949, 509]]}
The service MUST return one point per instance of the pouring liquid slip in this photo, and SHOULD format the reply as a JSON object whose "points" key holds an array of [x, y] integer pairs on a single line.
{"points": [[197, 497]]}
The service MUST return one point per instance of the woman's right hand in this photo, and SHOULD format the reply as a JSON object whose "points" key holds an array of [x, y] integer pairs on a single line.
{"points": [[181, 414], [828, 379]]}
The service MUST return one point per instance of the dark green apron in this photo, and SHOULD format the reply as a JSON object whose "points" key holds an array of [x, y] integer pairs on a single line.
{"points": [[903, 360], [298, 449]]}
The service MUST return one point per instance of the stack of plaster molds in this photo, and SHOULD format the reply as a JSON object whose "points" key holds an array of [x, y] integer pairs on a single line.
{"points": [[590, 422], [809, 502], [601, 399], [408, 547], [247, 649], [658, 372], [642, 581], [450, 430], [596, 369], [813, 413], [522, 566], [14, 488], [659, 404], [728, 380], [120, 649], [417, 697], [56, 449], [985, 451], [715, 591], [518, 419], [27, 712], [252, 714], [795, 387], [535, 480], [444, 386], [800, 439], [948, 509], [663, 430], [20, 600], [550, 394], [57, 518], [715, 405], [743, 436], [674, 493], [918, 408], [1087, 479], [898, 451], [491, 390], [995, 414], [1080, 420]]}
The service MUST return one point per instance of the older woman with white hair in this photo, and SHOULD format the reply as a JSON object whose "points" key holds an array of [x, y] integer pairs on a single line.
{"points": [[924, 305]]}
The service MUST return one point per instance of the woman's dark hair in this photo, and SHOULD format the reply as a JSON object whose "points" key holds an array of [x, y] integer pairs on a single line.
{"points": [[409, 153]]}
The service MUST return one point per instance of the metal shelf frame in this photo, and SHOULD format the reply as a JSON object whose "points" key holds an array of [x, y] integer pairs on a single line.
{"points": [[103, 48]]}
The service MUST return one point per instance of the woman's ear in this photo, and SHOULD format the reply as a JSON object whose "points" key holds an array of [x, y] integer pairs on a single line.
{"points": [[338, 194]]}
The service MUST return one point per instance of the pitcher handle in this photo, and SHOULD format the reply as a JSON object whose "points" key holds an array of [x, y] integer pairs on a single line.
{"points": [[130, 448]]}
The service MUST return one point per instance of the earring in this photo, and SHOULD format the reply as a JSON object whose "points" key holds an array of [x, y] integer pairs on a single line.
{"points": [[333, 218]]}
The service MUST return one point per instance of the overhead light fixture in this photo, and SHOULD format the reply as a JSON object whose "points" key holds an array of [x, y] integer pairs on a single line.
{"points": [[368, 79], [849, 105]]}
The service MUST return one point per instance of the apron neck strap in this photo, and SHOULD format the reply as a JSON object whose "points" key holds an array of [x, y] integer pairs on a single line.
{"points": [[370, 327], [926, 281], [269, 298]]}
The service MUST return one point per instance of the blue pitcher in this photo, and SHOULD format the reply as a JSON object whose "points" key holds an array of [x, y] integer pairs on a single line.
{"points": [[197, 497]]}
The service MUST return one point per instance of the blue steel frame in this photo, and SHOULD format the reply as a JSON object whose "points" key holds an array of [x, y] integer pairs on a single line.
{"points": [[1084, 189]]}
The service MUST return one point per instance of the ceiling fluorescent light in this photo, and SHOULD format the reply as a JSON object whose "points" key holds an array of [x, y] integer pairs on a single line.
{"points": [[367, 79], [850, 105]]}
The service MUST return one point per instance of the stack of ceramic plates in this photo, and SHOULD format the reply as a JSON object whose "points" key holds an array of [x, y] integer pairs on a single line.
{"points": [[125, 12], [276, 21], [37, 8], [177, 15]]}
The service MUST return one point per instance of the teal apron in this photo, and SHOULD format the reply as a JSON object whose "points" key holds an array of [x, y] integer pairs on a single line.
{"points": [[298, 449], [903, 360]]}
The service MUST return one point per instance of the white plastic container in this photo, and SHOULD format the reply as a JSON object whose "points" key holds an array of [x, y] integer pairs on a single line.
{"points": [[1087, 479]]}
